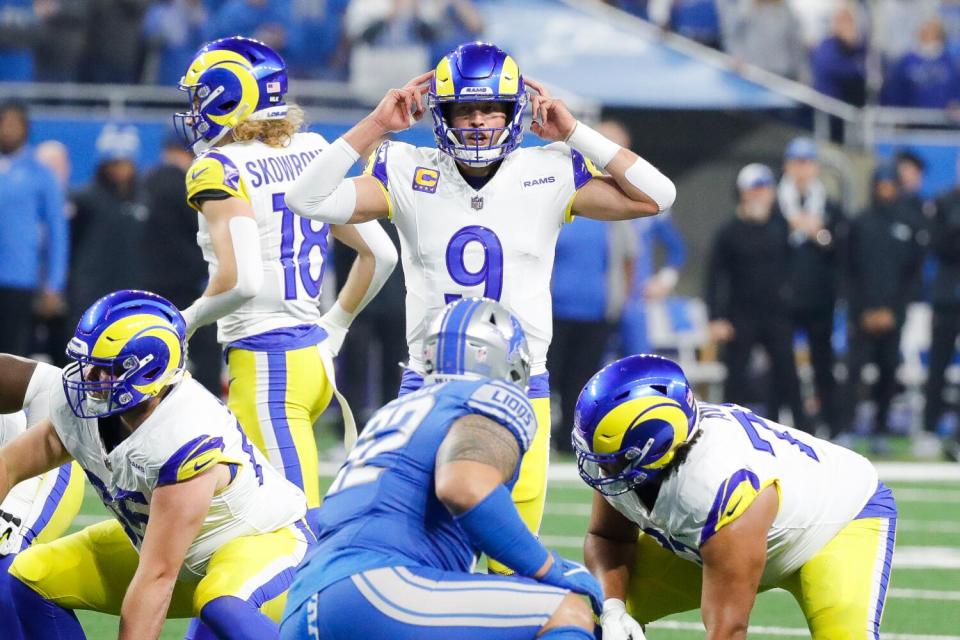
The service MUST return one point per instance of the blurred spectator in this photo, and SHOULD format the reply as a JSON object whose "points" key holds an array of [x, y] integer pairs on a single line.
{"points": [[896, 23], [925, 77], [747, 295], [51, 331], [173, 30], [945, 243], [60, 42], [368, 365], [839, 63], [317, 43], [172, 265], [766, 33], [636, 7], [114, 40], [18, 31], [816, 227], [650, 284], [455, 21], [265, 20], [590, 275], [816, 17], [910, 169], [33, 237], [389, 39], [885, 254], [950, 16], [644, 282], [694, 19], [109, 223]]}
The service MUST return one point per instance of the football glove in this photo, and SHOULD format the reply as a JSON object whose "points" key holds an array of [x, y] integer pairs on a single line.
{"points": [[10, 536], [617, 624], [573, 576]]}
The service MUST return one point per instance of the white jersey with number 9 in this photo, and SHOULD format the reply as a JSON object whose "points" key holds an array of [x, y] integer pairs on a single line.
{"points": [[496, 241]]}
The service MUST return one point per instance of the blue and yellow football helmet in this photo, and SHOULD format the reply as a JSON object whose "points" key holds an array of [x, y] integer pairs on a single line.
{"points": [[229, 81], [477, 71], [128, 346], [629, 421]]}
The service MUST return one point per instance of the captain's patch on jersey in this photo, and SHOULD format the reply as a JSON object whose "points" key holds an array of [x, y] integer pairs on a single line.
{"points": [[425, 180]]}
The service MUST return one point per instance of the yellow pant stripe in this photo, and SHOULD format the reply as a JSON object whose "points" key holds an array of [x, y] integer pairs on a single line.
{"points": [[277, 396]]}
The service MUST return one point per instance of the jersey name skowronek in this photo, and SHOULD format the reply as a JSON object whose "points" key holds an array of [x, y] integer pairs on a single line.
{"points": [[293, 249]]}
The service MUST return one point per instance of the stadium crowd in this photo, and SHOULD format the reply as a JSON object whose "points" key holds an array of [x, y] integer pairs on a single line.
{"points": [[891, 52]]}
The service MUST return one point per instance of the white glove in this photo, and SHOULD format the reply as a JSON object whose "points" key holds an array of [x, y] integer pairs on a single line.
{"points": [[336, 322], [617, 624]]}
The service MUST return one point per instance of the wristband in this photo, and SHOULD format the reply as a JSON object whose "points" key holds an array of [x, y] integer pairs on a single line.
{"points": [[593, 144], [495, 528]]}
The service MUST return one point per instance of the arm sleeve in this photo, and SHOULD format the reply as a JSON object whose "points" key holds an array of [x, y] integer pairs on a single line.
{"points": [[384, 255], [506, 404], [58, 245], [322, 191], [213, 172], [36, 401]]}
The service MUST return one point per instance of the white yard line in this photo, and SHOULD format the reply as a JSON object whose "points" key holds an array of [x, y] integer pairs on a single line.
{"points": [[903, 557], [788, 631], [566, 472], [889, 472], [926, 495], [582, 510]]}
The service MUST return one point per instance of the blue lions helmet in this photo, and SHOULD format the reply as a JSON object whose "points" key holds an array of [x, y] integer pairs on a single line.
{"points": [[475, 338], [229, 81], [629, 421], [476, 72], [128, 346]]}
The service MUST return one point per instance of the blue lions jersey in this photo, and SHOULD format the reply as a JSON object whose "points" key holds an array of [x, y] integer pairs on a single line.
{"points": [[381, 510]]}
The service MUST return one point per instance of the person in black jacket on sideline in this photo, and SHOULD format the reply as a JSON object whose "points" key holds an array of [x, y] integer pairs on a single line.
{"points": [[747, 294], [945, 244], [817, 229], [172, 265], [885, 252]]}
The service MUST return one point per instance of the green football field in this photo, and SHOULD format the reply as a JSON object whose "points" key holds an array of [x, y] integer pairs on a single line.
{"points": [[923, 602]]}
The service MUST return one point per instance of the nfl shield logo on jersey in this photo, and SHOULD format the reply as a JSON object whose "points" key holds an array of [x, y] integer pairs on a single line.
{"points": [[476, 202]]}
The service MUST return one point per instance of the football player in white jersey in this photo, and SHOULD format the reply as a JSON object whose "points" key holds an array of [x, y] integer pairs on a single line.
{"points": [[701, 506], [35, 511], [266, 263], [203, 526], [477, 215]]}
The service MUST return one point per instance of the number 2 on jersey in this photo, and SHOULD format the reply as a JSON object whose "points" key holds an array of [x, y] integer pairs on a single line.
{"points": [[490, 273], [311, 238], [387, 432]]}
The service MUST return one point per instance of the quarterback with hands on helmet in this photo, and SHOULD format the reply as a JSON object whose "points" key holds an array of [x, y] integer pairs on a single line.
{"points": [[203, 526], [478, 214], [702, 506]]}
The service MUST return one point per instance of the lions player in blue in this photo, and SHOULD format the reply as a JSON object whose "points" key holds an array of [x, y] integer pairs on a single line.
{"points": [[426, 489]]}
